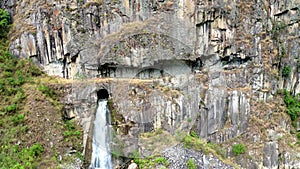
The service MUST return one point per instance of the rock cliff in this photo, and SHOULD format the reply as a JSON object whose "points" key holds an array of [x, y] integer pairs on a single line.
{"points": [[211, 66]]}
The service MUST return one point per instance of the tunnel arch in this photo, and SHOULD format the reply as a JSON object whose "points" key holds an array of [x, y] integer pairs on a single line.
{"points": [[102, 94]]}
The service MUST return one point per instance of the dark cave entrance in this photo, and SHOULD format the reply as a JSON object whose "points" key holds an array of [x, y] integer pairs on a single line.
{"points": [[102, 94]]}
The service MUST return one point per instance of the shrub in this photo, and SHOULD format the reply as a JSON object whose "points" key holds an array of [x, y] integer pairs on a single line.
{"points": [[298, 135], [238, 149], [36, 149], [4, 22], [192, 142], [292, 104], [4, 18], [23, 157], [16, 119], [19, 96], [286, 71], [11, 108], [191, 164], [77, 133], [161, 160], [70, 124], [194, 134], [7, 74], [67, 133]]}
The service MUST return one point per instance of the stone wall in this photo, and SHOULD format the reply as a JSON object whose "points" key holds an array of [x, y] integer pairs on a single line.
{"points": [[209, 66]]}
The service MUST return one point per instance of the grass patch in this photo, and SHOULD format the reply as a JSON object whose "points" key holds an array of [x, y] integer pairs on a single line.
{"points": [[238, 149], [191, 164], [192, 141], [151, 162], [31, 125], [71, 132]]}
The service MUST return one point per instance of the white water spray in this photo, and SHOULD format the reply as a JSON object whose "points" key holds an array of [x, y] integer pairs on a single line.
{"points": [[101, 157]]}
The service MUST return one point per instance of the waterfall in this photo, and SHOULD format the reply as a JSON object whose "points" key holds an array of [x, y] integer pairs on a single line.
{"points": [[101, 157]]}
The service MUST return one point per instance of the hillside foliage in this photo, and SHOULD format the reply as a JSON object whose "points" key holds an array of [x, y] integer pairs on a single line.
{"points": [[31, 122], [292, 104], [4, 22]]}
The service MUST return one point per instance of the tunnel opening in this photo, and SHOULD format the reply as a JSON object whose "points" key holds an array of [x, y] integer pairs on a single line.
{"points": [[102, 94], [149, 73]]}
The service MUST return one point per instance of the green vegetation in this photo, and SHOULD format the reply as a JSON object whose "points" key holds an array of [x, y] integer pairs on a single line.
{"points": [[191, 164], [32, 127], [216, 147], [238, 149], [151, 162], [71, 133], [193, 141], [298, 136], [292, 108], [27, 157], [14, 73], [286, 71], [194, 134], [161, 160], [4, 23], [47, 91], [292, 104]]}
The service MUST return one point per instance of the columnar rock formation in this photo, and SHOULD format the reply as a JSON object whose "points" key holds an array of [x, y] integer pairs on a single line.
{"points": [[212, 66]]}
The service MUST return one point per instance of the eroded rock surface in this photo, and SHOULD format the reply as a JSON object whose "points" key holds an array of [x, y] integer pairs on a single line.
{"points": [[178, 157], [213, 67]]}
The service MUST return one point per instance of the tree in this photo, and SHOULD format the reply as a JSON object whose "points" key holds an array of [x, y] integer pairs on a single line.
{"points": [[4, 22]]}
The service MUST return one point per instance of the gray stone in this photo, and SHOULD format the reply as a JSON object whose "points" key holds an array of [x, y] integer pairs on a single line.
{"points": [[208, 64], [270, 155], [178, 157]]}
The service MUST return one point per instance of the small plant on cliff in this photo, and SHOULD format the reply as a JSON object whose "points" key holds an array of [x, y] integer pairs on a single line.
{"points": [[292, 104], [286, 71], [191, 164], [238, 149], [193, 142], [4, 22], [194, 134], [298, 136]]}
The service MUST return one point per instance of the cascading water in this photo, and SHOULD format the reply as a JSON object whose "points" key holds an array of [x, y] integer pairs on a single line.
{"points": [[101, 157]]}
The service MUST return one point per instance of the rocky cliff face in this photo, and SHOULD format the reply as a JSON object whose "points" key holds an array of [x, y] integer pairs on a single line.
{"points": [[209, 66]]}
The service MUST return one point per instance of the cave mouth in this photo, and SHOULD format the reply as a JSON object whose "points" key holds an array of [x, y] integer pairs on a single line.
{"points": [[102, 94]]}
